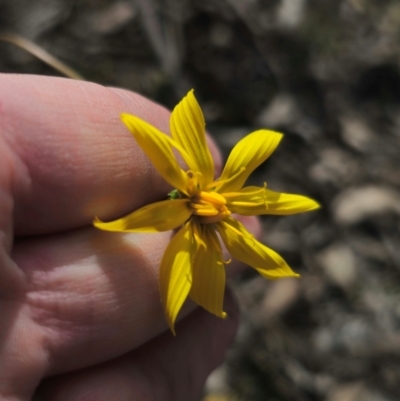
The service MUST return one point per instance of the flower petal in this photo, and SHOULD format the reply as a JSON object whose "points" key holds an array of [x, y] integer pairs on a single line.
{"points": [[281, 204], [251, 201], [209, 274], [243, 246], [176, 273], [248, 201], [247, 155], [159, 216], [188, 129], [158, 148]]}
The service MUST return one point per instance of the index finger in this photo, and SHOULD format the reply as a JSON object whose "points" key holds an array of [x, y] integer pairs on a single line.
{"points": [[72, 157]]}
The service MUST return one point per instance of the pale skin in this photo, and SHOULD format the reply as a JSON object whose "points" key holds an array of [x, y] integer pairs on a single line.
{"points": [[80, 311]]}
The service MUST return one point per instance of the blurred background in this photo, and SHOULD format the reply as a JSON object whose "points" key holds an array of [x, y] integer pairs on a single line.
{"points": [[324, 72]]}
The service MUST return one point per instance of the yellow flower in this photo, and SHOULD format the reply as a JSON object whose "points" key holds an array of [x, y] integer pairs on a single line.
{"points": [[193, 264]]}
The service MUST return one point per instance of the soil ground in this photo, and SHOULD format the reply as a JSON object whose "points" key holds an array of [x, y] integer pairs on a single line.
{"points": [[326, 73]]}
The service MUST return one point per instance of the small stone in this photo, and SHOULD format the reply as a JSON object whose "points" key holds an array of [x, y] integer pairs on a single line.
{"points": [[334, 166], [339, 263], [110, 20], [282, 110], [217, 381], [357, 133], [324, 340], [348, 392], [291, 13], [280, 295], [356, 204], [356, 335]]}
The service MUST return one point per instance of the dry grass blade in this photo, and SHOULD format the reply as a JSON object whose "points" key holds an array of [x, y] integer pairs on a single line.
{"points": [[41, 54]]}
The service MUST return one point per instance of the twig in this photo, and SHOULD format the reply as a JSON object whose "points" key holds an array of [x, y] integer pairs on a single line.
{"points": [[40, 53]]}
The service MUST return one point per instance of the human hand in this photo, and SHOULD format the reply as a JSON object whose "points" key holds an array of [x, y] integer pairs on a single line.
{"points": [[81, 307]]}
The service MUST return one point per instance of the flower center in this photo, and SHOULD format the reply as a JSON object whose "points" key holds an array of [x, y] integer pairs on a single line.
{"points": [[210, 207]]}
